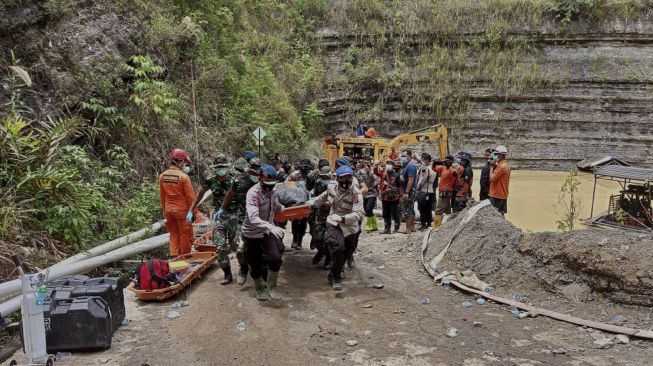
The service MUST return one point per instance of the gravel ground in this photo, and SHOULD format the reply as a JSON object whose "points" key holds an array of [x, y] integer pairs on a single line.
{"points": [[403, 323]]}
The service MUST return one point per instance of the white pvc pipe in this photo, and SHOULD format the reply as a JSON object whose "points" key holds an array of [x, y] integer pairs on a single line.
{"points": [[114, 244], [12, 287], [84, 266]]}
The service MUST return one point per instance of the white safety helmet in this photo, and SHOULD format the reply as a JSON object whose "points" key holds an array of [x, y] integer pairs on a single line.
{"points": [[501, 150]]}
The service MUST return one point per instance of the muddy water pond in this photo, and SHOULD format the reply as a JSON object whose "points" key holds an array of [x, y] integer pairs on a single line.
{"points": [[533, 198]]}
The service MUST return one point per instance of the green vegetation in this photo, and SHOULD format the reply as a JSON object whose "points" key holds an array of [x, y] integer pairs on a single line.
{"points": [[80, 151], [569, 202]]}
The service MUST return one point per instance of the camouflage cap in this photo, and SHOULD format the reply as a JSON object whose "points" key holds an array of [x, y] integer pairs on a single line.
{"points": [[240, 164], [326, 170], [255, 163], [220, 161]]}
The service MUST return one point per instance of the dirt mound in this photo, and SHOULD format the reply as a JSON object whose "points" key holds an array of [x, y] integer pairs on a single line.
{"points": [[581, 265]]}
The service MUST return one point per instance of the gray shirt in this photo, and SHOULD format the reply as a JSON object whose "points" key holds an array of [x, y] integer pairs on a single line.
{"points": [[261, 207]]}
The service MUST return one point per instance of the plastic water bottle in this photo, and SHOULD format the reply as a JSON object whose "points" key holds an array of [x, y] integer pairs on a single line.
{"points": [[480, 301], [514, 310], [466, 304], [40, 295], [516, 297], [241, 325]]}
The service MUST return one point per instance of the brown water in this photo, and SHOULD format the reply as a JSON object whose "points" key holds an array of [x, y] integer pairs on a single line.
{"points": [[533, 198]]}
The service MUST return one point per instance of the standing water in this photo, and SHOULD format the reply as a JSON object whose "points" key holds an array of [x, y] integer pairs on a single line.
{"points": [[533, 198]]}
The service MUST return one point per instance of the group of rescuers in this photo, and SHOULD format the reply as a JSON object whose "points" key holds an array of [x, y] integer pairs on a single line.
{"points": [[245, 203]]}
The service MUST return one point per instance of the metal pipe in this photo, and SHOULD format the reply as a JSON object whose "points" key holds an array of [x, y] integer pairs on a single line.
{"points": [[84, 266], [12, 287], [593, 194]]}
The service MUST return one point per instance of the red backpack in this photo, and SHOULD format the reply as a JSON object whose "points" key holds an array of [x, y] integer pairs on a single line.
{"points": [[152, 275]]}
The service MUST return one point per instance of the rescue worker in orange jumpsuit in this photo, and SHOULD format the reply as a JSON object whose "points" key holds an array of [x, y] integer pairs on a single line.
{"points": [[177, 198]]}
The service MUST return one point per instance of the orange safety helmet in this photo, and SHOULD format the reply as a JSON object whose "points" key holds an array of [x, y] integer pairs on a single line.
{"points": [[371, 132], [179, 154]]}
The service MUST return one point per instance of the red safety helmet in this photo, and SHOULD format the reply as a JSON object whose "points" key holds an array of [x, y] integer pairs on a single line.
{"points": [[179, 154]]}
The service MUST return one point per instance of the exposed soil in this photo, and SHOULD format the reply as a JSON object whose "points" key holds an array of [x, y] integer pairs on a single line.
{"points": [[312, 325], [604, 270]]}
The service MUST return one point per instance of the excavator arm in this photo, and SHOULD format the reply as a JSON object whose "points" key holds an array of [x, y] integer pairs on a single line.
{"points": [[438, 132]]}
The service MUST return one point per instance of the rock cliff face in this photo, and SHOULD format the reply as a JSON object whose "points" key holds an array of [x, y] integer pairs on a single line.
{"points": [[589, 93], [68, 47]]}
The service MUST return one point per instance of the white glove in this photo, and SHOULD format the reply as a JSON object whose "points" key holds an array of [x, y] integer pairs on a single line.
{"points": [[337, 218], [277, 232]]}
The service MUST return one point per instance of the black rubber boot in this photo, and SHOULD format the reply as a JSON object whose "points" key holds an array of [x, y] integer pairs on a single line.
{"points": [[228, 278], [327, 260], [318, 256], [351, 262]]}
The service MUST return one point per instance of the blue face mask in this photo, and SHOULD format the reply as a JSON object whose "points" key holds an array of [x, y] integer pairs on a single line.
{"points": [[403, 159]]}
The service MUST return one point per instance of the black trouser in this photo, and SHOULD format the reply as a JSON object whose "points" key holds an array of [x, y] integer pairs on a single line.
{"points": [[425, 207], [499, 204], [298, 230], [340, 247], [266, 249], [369, 203], [391, 212]]}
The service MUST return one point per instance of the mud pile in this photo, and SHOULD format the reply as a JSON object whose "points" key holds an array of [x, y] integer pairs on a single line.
{"points": [[579, 265]]}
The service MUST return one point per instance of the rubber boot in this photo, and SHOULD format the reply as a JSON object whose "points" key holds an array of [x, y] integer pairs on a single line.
{"points": [[272, 285], [351, 262], [242, 277], [327, 260], [261, 291], [371, 224], [228, 277], [318, 256], [437, 221]]}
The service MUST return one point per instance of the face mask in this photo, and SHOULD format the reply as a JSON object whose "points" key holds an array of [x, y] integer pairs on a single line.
{"points": [[494, 157], [268, 186], [253, 178], [403, 159], [389, 168], [186, 169], [344, 184]]}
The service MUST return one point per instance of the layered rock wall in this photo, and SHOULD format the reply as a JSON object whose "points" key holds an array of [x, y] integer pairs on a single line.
{"points": [[593, 94]]}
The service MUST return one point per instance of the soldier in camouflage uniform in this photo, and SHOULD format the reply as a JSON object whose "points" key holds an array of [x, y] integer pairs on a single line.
{"points": [[320, 218], [219, 184], [233, 211]]}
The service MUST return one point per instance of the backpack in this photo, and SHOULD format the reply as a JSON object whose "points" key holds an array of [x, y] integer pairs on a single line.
{"points": [[390, 191], [152, 275]]}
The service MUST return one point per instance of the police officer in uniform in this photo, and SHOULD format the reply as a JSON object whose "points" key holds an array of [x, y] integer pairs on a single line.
{"points": [[343, 223]]}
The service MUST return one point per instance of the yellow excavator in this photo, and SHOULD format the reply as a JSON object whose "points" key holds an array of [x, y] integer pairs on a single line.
{"points": [[380, 149]]}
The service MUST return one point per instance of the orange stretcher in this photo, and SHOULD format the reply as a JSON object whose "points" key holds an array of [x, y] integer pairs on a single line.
{"points": [[293, 213], [198, 261]]}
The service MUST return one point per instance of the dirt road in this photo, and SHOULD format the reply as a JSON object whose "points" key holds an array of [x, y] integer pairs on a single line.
{"points": [[390, 326]]}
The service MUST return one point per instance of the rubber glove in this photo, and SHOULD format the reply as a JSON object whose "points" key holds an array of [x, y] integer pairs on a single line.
{"points": [[189, 217], [217, 214], [337, 218], [277, 232]]}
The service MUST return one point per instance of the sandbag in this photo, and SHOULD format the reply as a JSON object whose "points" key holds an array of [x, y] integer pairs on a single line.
{"points": [[292, 193]]}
